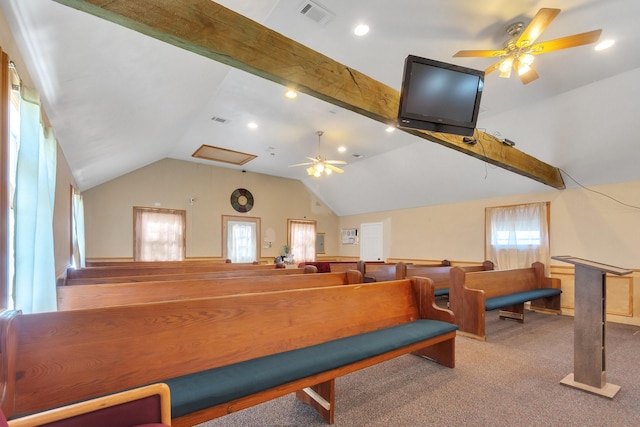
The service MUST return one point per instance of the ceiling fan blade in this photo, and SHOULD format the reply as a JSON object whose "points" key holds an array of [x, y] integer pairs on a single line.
{"points": [[300, 164], [493, 67], [566, 42], [333, 168], [537, 25], [335, 162], [529, 76], [479, 53]]}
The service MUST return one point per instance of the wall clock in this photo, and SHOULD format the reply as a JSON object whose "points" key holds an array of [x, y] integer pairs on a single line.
{"points": [[242, 200]]}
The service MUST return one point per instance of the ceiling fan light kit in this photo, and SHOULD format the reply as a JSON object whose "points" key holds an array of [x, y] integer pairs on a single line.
{"points": [[518, 53], [319, 164]]}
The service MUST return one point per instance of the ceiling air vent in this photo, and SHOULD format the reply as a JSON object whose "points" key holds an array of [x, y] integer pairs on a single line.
{"points": [[220, 120], [218, 154], [315, 12]]}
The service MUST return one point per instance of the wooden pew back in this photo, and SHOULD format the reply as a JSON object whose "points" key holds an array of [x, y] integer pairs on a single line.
{"points": [[113, 294], [377, 271], [159, 268], [337, 266], [50, 359], [504, 282], [438, 274], [196, 262], [189, 276]]}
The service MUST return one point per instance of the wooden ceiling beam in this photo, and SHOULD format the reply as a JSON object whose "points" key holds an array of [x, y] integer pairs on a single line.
{"points": [[211, 30]]}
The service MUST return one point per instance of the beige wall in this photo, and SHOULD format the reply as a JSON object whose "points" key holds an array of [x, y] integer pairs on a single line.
{"points": [[583, 224], [62, 214], [172, 183]]}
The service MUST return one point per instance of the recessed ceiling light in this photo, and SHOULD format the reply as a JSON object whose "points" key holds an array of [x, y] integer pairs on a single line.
{"points": [[291, 94], [342, 149], [361, 30], [605, 44], [252, 125], [390, 129]]}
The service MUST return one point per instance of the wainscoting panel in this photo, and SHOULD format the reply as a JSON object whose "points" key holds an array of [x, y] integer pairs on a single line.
{"points": [[619, 291]]}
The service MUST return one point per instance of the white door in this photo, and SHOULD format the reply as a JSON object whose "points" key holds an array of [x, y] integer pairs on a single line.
{"points": [[371, 241]]}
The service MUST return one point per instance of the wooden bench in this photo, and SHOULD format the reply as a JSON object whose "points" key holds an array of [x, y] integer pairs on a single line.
{"points": [[439, 274], [381, 271], [473, 293], [113, 294], [206, 261], [331, 266], [160, 268], [187, 276], [220, 355], [377, 271]]}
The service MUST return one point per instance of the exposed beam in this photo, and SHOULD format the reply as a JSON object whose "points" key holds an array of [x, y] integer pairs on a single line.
{"points": [[211, 30]]}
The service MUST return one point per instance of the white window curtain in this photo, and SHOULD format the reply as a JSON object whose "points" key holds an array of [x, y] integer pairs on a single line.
{"points": [[159, 234], [77, 231], [241, 241], [302, 239], [34, 279], [14, 145], [517, 236]]}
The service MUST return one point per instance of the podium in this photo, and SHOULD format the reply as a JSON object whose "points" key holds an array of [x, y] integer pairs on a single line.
{"points": [[590, 326]]}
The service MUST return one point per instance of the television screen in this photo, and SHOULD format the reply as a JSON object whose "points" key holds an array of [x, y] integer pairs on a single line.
{"points": [[439, 97]]}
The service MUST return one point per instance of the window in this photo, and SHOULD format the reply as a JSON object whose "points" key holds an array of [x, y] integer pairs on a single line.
{"points": [[517, 236], [159, 234], [240, 238], [77, 229], [302, 239], [29, 157]]}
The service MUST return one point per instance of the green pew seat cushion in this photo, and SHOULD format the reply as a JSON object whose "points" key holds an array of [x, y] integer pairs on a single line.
{"points": [[193, 392], [519, 298]]}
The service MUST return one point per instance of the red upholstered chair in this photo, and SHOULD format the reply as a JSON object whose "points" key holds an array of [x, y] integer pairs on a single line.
{"points": [[148, 406]]}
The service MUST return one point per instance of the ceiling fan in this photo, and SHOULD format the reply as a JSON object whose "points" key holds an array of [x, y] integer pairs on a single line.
{"points": [[319, 164], [518, 52]]}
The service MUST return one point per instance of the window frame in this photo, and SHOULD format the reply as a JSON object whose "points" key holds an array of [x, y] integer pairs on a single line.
{"points": [[238, 218], [180, 212], [538, 251], [311, 246]]}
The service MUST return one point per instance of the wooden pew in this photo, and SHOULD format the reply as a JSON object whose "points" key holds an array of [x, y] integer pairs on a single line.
{"points": [[220, 355], [331, 266], [196, 262], [159, 268], [113, 294], [188, 276], [377, 271], [381, 271], [439, 274], [474, 293]]}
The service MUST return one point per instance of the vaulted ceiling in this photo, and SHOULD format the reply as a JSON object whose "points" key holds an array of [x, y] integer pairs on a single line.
{"points": [[119, 99]]}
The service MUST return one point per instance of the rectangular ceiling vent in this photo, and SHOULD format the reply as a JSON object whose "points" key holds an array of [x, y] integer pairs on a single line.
{"points": [[218, 154], [220, 120], [319, 14]]}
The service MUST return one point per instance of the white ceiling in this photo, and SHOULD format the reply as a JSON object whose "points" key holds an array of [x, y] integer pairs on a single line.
{"points": [[119, 100]]}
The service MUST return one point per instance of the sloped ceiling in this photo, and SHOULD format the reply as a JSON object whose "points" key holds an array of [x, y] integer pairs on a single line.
{"points": [[119, 100]]}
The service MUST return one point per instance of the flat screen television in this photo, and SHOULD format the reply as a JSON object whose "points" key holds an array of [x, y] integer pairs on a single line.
{"points": [[439, 97]]}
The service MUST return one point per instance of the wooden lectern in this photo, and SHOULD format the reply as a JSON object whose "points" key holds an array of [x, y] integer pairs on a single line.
{"points": [[590, 326]]}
